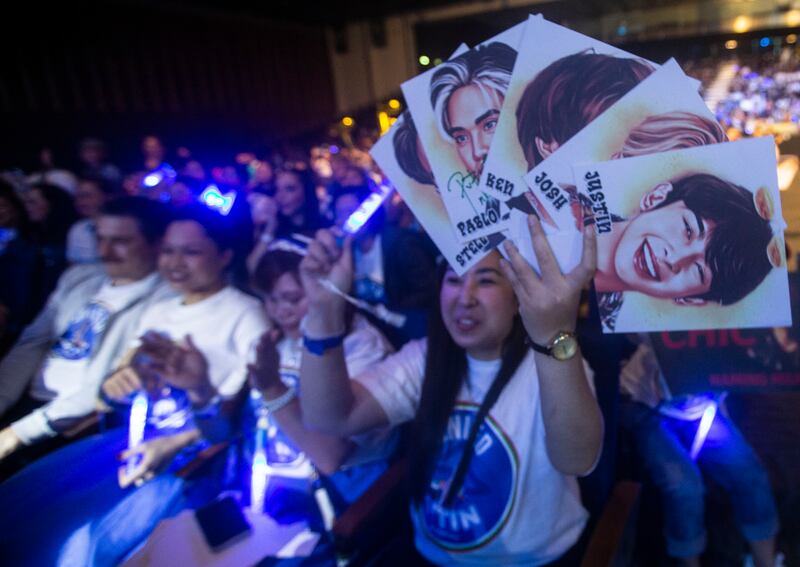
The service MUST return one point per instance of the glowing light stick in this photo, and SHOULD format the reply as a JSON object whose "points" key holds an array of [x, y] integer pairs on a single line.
{"points": [[705, 425], [215, 199], [365, 210], [159, 174], [136, 425], [258, 475], [323, 502]]}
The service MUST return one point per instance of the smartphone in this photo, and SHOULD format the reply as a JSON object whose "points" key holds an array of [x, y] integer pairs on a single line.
{"points": [[222, 523]]}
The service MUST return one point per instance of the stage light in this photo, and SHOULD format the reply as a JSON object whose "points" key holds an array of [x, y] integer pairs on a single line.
{"points": [[163, 172], [764, 42], [348, 121], [394, 104], [424, 60], [793, 18], [383, 122], [742, 24], [791, 38], [731, 44], [437, 61]]}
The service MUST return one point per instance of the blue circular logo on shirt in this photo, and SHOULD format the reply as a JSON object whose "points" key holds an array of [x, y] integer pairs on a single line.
{"points": [[82, 333], [486, 498]]}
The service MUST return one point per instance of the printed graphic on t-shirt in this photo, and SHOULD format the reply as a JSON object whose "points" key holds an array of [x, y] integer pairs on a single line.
{"points": [[82, 333], [486, 498]]}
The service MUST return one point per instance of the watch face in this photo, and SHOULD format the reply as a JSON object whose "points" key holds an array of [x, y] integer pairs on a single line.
{"points": [[564, 347]]}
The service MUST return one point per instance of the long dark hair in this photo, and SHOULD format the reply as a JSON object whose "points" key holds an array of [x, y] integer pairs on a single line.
{"points": [[445, 372], [312, 218]]}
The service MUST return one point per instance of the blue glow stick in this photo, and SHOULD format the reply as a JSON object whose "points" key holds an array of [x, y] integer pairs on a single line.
{"points": [[136, 426], [365, 210], [259, 469], [702, 430]]}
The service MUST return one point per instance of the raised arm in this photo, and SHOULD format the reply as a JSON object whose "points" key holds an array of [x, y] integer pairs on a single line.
{"points": [[327, 452], [330, 401], [548, 305]]}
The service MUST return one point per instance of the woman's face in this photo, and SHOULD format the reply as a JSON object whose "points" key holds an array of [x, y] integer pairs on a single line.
{"points": [[190, 261], [89, 199], [262, 208], [286, 304], [35, 203], [289, 195], [478, 308]]}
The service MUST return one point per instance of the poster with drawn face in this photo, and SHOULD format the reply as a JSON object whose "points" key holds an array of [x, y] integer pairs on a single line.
{"points": [[664, 112], [695, 239], [401, 158], [455, 107], [562, 81]]}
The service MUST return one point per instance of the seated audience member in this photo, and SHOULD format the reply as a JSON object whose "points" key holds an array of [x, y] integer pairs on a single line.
{"points": [[51, 174], [500, 428], [298, 210], [94, 164], [51, 214], [51, 376], [191, 358], [664, 430], [19, 263], [90, 196], [294, 452], [393, 266]]}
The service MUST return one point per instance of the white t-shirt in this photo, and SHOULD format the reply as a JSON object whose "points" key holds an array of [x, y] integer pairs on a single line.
{"points": [[62, 371], [223, 327], [82, 243], [514, 508], [363, 346]]}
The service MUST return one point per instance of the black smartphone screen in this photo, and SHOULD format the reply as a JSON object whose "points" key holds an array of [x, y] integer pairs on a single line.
{"points": [[221, 522]]}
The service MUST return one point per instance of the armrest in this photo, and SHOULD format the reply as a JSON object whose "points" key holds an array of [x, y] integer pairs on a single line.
{"points": [[370, 503], [608, 534], [202, 458]]}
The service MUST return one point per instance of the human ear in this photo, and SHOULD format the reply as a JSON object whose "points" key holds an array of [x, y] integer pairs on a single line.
{"points": [[655, 196], [695, 301], [545, 148]]}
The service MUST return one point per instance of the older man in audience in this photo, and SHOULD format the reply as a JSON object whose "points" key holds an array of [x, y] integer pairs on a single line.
{"points": [[50, 378]]}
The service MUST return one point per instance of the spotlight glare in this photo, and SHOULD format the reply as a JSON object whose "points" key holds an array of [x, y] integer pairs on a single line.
{"points": [[424, 60], [731, 44], [348, 121], [394, 104], [741, 24]]}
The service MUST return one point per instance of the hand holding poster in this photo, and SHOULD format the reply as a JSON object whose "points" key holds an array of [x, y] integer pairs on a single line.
{"points": [[694, 241]]}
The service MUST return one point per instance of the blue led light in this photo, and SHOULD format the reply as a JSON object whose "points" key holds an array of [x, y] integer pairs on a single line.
{"points": [[705, 425], [764, 42], [213, 198], [365, 210]]}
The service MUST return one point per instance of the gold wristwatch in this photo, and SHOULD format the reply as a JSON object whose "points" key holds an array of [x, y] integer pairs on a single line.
{"points": [[563, 346]]}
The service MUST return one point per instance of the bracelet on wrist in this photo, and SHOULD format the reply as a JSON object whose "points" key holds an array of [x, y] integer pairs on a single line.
{"points": [[281, 401]]}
